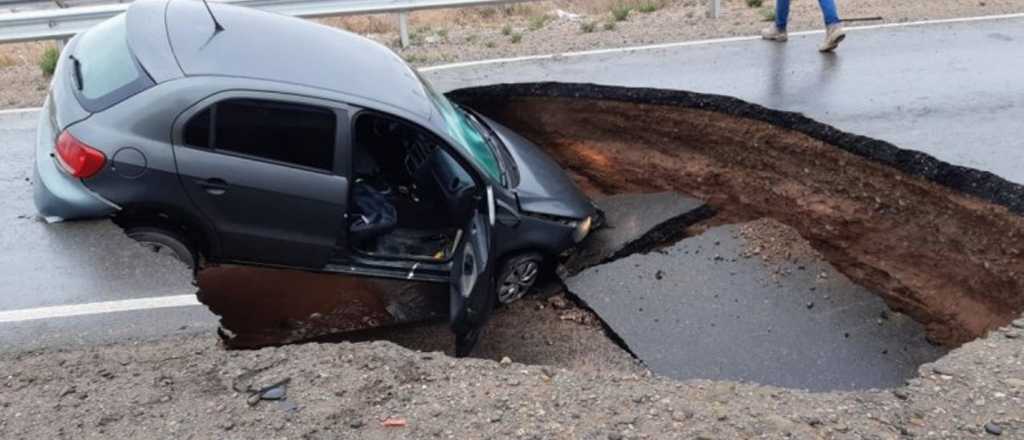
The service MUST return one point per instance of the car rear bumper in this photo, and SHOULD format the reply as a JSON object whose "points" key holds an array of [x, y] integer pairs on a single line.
{"points": [[57, 195]]}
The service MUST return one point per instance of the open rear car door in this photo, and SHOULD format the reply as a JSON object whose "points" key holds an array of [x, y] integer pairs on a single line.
{"points": [[472, 278]]}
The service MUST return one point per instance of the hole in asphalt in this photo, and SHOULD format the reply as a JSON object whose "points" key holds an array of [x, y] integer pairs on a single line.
{"points": [[813, 264]]}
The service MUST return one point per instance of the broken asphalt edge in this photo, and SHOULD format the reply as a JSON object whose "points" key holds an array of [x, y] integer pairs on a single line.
{"points": [[977, 183], [667, 232]]}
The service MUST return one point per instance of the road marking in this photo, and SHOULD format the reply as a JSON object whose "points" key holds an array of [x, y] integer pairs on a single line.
{"points": [[706, 42], [16, 111], [125, 305]]}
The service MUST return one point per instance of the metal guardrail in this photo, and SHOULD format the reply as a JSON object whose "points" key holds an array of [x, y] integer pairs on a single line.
{"points": [[61, 24]]}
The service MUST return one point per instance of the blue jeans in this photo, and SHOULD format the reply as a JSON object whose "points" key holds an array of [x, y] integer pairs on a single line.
{"points": [[828, 9]]}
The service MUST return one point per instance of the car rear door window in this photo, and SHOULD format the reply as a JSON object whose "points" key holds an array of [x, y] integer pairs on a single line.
{"points": [[295, 134]]}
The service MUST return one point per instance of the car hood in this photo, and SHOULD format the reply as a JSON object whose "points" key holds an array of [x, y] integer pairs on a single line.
{"points": [[543, 187]]}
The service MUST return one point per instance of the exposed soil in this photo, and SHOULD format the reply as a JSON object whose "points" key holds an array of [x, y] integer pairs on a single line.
{"points": [[951, 261]]}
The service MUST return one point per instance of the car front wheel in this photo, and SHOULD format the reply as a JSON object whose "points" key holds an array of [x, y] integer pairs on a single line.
{"points": [[518, 275]]}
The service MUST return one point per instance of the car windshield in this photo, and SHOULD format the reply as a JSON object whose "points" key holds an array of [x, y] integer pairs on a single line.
{"points": [[466, 133]]}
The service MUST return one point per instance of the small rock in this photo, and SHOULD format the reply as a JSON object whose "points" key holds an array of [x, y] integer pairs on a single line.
{"points": [[356, 423], [659, 274], [66, 391], [993, 428], [901, 394], [506, 360], [810, 305], [1018, 323], [1015, 383], [942, 371], [558, 302], [615, 436], [1013, 334]]}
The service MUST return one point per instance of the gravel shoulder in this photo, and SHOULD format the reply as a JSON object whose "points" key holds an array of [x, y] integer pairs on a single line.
{"points": [[551, 26], [190, 388]]}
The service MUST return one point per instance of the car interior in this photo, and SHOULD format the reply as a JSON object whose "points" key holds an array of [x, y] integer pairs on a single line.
{"points": [[409, 197]]}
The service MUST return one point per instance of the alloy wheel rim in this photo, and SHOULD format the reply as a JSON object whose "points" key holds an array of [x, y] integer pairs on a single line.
{"points": [[518, 281]]}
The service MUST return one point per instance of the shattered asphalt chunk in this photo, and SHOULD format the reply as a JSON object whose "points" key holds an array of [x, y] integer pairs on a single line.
{"points": [[709, 307], [634, 222]]}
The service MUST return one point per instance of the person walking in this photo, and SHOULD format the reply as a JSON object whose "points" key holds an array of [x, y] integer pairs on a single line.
{"points": [[834, 33]]}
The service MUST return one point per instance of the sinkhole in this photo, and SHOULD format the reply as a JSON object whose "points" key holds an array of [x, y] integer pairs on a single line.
{"points": [[857, 233]]}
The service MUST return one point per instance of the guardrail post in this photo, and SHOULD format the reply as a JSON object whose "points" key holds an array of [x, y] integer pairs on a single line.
{"points": [[403, 27], [714, 8], [61, 42]]}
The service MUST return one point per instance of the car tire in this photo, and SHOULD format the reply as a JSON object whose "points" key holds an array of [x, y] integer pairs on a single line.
{"points": [[518, 275], [161, 240]]}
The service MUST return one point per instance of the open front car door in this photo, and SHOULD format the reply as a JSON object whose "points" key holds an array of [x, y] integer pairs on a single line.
{"points": [[472, 278]]}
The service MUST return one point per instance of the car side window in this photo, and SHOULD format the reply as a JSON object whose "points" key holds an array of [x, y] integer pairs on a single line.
{"points": [[296, 134]]}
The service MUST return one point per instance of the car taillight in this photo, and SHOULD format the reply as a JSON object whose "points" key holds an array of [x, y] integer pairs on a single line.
{"points": [[77, 158]]}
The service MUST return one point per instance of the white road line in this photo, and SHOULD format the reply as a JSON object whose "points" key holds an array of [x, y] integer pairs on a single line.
{"points": [[16, 111], [126, 305], [707, 42]]}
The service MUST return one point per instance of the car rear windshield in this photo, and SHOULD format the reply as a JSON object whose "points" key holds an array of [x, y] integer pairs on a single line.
{"points": [[103, 68]]}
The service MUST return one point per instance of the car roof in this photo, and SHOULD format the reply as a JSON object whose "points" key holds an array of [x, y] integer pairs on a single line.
{"points": [[266, 46]]}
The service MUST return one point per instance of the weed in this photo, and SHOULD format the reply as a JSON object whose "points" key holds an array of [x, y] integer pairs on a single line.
{"points": [[487, 12], [516, 38], [609, 26], [7, 61], [471, 38], [490, 45], [650, 6], [538, 21], [443, 33], [621, 12], [587, 27], [754, 3], [414, 59], [768, 13], [506, 30], [48, 61]]}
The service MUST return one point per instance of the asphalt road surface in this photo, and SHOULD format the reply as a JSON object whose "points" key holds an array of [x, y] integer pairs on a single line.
{"points": [[952, 90]]}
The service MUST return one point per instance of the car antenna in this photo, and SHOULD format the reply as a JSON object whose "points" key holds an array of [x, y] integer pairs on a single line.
{"points": [[216, 24]]}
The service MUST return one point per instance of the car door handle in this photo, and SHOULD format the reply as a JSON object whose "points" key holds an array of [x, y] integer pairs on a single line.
{"points": [[214, 186]]}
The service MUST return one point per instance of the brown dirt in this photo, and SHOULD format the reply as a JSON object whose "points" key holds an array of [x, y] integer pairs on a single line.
{"points": [[950, 261]]}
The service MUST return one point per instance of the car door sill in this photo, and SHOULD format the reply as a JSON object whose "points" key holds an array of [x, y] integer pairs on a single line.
{"points": [[411, 273]]}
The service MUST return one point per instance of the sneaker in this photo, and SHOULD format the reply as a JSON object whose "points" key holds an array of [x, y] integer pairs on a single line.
{"points": [[774, 34], [834, 34]]}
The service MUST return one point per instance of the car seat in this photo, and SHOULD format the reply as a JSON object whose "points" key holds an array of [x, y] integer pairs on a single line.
{"points": [[374, 214]]}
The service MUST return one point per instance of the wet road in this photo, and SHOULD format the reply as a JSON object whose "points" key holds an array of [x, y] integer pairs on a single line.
{"points": [[951, 90], [76, 263]]}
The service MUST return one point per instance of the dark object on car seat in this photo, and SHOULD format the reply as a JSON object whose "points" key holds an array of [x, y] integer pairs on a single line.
{"points": [[374, 216]]}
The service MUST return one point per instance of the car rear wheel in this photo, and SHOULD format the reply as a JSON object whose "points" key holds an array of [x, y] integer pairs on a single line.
{"points": [[518, 275], [163, 241]]}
